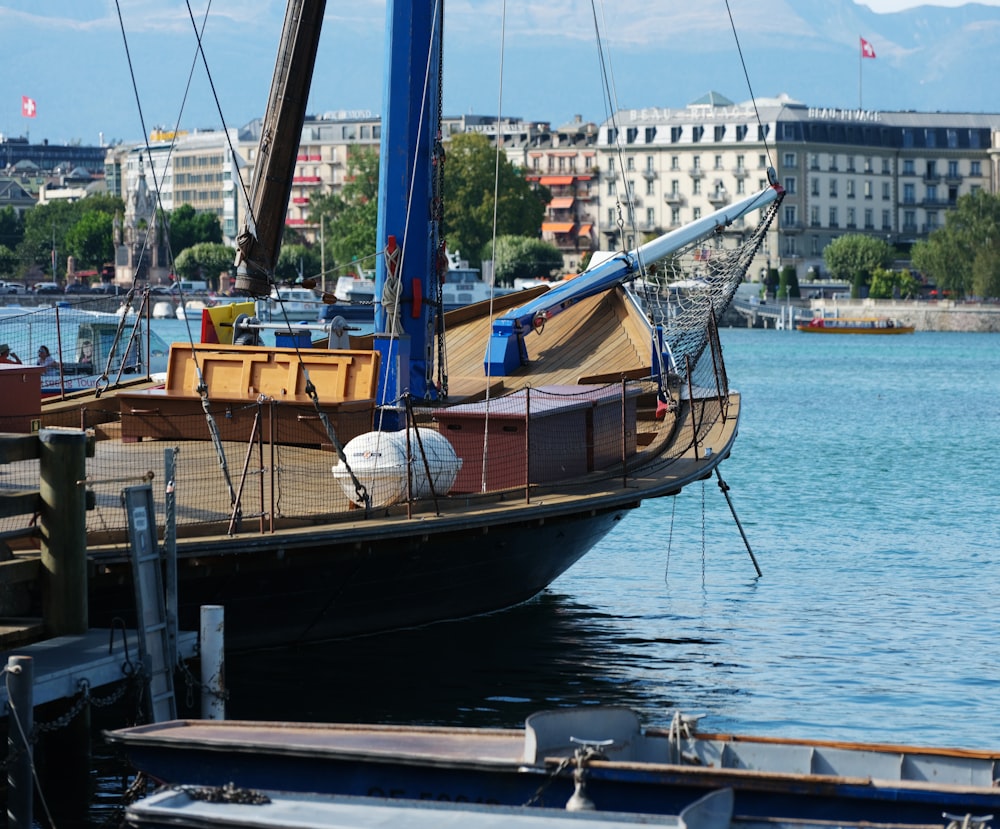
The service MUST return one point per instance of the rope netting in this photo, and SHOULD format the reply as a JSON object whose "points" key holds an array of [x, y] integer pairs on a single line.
{"points": [[683, 294]]}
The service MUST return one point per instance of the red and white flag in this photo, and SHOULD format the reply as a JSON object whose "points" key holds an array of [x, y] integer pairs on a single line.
{"points": [[867, 50], [28, 108]]}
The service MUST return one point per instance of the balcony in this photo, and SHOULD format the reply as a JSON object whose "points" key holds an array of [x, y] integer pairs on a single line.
{"points": [[650, 175], [740, 172], [719, 198], [674, 198], [792, 227], [696, 172]]}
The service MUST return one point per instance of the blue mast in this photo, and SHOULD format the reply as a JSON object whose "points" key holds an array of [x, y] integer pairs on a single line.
{"points": [[407, 199]]}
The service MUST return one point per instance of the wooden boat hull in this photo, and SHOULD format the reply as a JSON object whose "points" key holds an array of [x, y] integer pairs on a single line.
{"points": [[846, 782], [326, 583]]}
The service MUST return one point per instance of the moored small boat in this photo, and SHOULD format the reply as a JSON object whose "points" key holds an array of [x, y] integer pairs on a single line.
{"points": [[619, 765], [854, 325]]}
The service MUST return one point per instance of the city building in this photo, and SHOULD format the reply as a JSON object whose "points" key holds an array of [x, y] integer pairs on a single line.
{"points": [[892, 175]]}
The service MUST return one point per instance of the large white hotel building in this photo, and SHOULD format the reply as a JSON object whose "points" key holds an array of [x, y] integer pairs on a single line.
{"points": [[893, 175]]}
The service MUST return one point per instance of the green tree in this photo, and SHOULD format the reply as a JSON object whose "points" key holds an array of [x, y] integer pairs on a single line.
{"points": [[47, 226], [469, 174], [8, 261], [205, 261], [518, 257], [788, 283], [90, 240], [11, 228], [854, 257], [986, 272], [296, 260], [948, 255], [187, 227], [350, 218]]}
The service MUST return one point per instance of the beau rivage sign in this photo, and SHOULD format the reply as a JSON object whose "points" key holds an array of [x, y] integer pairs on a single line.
{"points": [[742, 112]]}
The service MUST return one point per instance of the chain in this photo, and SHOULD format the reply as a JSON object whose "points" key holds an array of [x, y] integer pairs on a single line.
{"points": [[192, 683], [230, 793], [537, 796]]}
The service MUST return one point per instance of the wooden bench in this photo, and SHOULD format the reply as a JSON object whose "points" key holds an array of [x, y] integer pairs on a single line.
{"points": [[244, 380]]}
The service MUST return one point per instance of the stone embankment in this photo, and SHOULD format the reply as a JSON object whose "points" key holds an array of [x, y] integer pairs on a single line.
{"points": [[923, 315]]}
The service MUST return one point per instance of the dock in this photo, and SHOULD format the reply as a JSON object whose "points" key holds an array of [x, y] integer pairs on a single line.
{"points": [[65, 666]]}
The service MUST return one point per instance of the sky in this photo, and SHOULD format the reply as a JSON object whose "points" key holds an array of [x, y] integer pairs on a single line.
{"points": [[70, 58]]}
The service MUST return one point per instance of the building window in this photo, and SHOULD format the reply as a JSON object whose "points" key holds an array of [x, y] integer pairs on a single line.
{"points": [[833, 188], [789, 160], [851, 221], [868, 189], [611, 166], [975, 169], [932, 193], [909, 194], [611, 188], [790, 185], [813, 161], [696, 213], [869, 219], [675, 134], [932, 169], [675, 162], [932, 220], [886, 220], [789, 217], [650, 163], [868, 164], [720, 133], [762, 162], [741, 132], [952, 169], [886, 191], [814, 186], [630, 163], [833, 217], [814, 245], [675, 187], [696, 186], [650, 188], [791, 249], [908, 168], [886, 167], [910, 221], [741, 186], [611, 217], [650, 217], [814, 216], [832, 165], [849, 188], [718, 162], [850, 164], [675, 216], [696, 133]]}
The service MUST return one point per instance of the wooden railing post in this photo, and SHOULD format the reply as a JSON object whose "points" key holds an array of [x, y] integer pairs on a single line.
{"points": [[63, 521]]}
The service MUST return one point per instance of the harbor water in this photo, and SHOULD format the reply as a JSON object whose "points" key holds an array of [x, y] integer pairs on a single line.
{"points": [[865, 480]]}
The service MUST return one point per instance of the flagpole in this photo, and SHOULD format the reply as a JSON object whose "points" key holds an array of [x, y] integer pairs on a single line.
{"points": [[861, 56]]}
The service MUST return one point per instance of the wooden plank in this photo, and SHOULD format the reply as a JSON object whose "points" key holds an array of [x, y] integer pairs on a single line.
{"points": [[20, 502], [18, 447]]}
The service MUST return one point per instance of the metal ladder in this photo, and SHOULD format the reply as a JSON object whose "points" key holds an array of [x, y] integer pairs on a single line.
{"points": [[153, 631]]}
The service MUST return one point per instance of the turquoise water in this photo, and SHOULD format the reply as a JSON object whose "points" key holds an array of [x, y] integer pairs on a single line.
{"points": [[865, 479]]}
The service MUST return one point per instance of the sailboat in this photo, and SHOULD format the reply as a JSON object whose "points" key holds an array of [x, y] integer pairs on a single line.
{"points": [[447, 465]]}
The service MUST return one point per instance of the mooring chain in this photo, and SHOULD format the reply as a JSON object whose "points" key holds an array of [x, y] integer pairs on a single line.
{"points": [[230, 793], [558, 770]]}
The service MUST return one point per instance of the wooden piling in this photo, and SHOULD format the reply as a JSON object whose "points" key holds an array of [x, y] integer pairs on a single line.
{"points": [[62, 465]]}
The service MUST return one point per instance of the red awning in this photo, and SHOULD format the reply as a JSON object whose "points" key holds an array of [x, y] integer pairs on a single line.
{"points": [[557, 227], [550, 180], [585, 230], [562, 202]]}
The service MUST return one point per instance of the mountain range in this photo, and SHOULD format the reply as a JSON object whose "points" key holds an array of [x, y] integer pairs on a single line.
{"points": [[70, 59]]}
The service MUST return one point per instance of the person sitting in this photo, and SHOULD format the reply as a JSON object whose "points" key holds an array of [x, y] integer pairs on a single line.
{"points": [[86, 353], [8, 356], [45, 357]]}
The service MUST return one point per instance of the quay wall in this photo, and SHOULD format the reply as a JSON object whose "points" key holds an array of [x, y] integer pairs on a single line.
{"points": [[923, 315]]}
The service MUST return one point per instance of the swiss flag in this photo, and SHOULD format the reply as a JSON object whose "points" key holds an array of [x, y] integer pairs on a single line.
{"points": [[867, 50], [28, 108]]}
